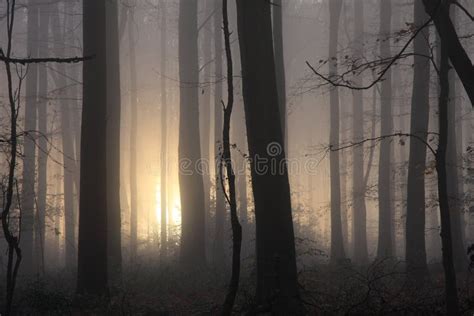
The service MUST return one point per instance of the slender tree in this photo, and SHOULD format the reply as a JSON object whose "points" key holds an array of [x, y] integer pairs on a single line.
{"points": [[92, 252], [29, 149], [415, 214], [231, 196], [42, 105], [451, 291], [133, 138], [219, 240], [164, 134], [384, 249], [113, 142], [359, 215], [189, 148], [69, 165], [337, 246], [279, 49], [276, 262], [453, 169]]}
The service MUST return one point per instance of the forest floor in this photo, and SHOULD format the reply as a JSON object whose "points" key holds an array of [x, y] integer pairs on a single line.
{"points": [[380, 288]]}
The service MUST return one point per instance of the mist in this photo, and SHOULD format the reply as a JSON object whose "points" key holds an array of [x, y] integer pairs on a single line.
{"points": [[254, 157]]}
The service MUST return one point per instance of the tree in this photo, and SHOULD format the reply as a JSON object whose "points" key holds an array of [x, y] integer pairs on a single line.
{"points": [[384, 249], [337, 246], [164, 134], [220, 215], [440, 14], [453, 169], [92, 250], [451, 291], [226, 160], [189, 148], [415, 215], [280, 64], [133, 138], [29, 147], [276, 262], [113, 142], [359, 215], [69, 164], [42, 105]]}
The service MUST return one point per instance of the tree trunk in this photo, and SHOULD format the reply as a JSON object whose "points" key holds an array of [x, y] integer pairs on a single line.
{"points": [[43, 50], [439, 12], [29, 149], [164, 135], [113, 144], [452, 305], [280, 65], [452, 170], [219, 241], [189, 149], [92, 254], [69, 164], [415, 256], [384, 249], [133, 139], [337, 247], [359, 210], [205, 113], [277, 288]]}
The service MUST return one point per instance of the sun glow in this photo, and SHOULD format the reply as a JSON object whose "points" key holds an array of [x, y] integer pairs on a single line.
{"points": [[173, 206]]}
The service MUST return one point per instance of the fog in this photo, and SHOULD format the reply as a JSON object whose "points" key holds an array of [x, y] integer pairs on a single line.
{"points": [[184, 157]]}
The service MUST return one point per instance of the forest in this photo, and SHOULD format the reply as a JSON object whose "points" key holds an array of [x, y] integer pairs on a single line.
{"points": [[236, 157]]}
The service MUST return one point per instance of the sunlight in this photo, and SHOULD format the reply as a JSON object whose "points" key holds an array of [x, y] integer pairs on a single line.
{"points": [[174, 216]]}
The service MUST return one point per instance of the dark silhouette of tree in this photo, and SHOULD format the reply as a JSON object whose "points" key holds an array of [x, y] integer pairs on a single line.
{"points": [[189, 148], [114, 220], [384, 248], [337, 246], [92, 251], [220, 215], [279, 48], [359, 213], [453, 170], [415, 254], [42, 108], [226, 161], [29, 147], [164, 134], [133, 138], [277, 288], [69, 164], [439, 10], [451, 291]]}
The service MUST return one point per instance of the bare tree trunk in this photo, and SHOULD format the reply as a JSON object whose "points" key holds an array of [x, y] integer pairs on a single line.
{"points": [[452, 170], [227, 161], [415, 219], [190, 182], [280, 64], [164, 135], [29, 149], [40, 227], [205, 109], [359, 211], [384, 249], [220, 216], [337, 247], [92, 254], [69, 164], [133, 139], [452, 305], [113, 144], [277, 288]]}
